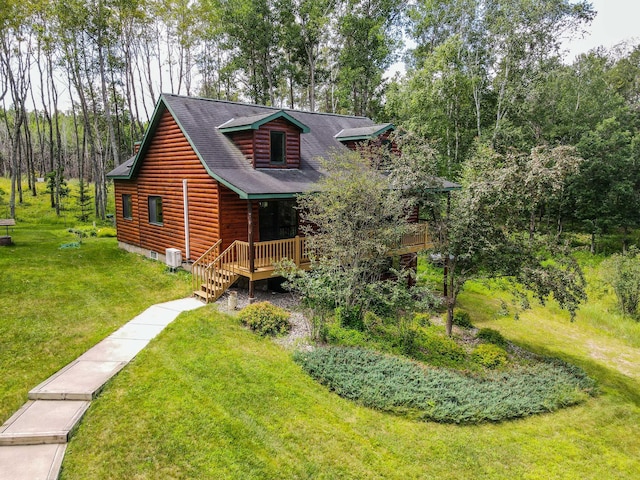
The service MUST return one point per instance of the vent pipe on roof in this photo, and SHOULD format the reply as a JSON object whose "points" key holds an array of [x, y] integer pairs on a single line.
{"points": [[185, 201]]}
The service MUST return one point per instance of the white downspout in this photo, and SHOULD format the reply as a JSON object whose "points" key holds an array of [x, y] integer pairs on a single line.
{"points": [[185, 201]]}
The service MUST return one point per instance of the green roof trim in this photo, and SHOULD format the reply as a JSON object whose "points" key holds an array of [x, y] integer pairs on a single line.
{"points": [[256, 121], [363, 133]]}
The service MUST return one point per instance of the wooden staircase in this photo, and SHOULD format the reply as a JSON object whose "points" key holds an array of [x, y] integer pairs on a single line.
{"points": [[214, 272]]}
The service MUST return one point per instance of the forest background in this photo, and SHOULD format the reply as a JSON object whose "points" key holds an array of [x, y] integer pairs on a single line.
{"points": [[485, 73]]}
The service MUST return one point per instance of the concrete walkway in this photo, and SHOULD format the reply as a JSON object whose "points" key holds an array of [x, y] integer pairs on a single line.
{"points": [[34, 439]]}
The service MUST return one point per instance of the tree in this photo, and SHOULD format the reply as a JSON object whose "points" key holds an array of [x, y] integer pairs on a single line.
{"points": [[369, 38], [623, 273], [477, 67], [605, 192], [305, 32], [353, 221], [478, 229]]}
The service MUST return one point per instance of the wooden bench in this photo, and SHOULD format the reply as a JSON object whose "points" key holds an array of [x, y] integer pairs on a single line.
{"points": [[6, 222]]}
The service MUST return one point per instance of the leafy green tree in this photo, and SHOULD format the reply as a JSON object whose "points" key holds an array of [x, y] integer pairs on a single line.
{"points": [[623, 273], [478, 229], [353, 222], [605, 191], [254, 33], [369, 37], [306, 25], [478, 66]]}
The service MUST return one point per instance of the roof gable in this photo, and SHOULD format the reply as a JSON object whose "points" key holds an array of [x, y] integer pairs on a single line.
{"points": [[254, 122], [363, 133]]}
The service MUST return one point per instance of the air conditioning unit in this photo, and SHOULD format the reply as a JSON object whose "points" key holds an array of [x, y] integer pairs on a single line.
{"points": [[174, 257]]}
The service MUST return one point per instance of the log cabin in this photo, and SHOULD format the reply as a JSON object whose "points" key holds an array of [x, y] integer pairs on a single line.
{"points": [[216, 181]]}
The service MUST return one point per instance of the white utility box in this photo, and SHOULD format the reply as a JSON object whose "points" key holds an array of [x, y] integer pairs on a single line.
{"points": [[174, 257]]}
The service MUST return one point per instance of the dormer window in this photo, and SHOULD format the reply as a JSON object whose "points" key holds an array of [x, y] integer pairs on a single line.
{"points": [[278, 149], [268, 140]]}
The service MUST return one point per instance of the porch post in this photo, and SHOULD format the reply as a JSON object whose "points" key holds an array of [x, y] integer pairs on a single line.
{"points": [[251, 252]]}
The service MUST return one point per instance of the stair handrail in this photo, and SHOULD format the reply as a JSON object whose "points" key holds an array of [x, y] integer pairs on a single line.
{"points": [[206, 272], [200, 266]]}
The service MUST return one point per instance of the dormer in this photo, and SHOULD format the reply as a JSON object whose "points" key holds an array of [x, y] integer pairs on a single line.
{"points": [[267, 140], [351, 137]]}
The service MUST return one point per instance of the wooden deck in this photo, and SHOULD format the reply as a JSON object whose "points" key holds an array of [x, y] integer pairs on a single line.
{"points": [[216, 270]]}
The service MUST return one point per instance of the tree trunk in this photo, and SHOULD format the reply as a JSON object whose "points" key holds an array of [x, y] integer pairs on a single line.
{"points": [[107, 104], [449, 326]]}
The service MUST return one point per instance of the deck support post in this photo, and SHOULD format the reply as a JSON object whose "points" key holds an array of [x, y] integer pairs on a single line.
{"points": [[251, 250]]}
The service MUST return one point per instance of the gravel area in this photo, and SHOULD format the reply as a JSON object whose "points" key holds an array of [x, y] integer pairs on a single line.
{"points": [[300, 332]]}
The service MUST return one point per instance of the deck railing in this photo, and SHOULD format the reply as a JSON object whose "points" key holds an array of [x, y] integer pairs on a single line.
{"points": [[419, 238], [266, 255]]}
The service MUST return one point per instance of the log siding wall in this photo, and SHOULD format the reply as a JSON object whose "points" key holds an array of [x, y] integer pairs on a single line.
{"points": [[255, 145], [262, 145], [355, 144], [168, 160], [128, 229], [245, 142], [234, 222]]}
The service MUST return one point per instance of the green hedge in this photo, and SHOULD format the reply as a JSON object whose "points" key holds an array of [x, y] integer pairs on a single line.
{"points": [[400, 386]]}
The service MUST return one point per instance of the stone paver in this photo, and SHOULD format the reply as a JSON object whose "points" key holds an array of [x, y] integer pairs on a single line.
{"points": [[31, 462], [114, 350], [42, 421], [80, 380], [33, 440]]}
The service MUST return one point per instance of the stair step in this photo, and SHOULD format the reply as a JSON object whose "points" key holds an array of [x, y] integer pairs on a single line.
{"points": [[199, 293], [43, 421]]}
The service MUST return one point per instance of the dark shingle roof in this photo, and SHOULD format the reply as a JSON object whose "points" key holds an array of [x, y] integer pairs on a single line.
{"points": [[123, 169], [201, 118]]}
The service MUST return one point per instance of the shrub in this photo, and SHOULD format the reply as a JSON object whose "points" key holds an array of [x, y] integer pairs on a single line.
{"points": [[490, 335], [372, 321], [401, 386], [84, 232], [350, 317], [623, 273], [265, 318], [422, 319], [408, 339], [348, 337], [462, 319], [107, 232], [439, 349], [490, 356]]}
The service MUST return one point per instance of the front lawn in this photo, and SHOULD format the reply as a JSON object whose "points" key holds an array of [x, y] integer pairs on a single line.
{"points": [[210, 399], [57, 303]]}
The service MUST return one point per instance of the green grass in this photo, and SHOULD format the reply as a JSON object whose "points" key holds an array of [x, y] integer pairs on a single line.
{"points": [[56, 303], [209, 399]]}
